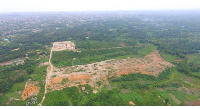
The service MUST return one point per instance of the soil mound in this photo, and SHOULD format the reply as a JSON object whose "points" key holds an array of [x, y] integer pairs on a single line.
{"points": [[131, 103]]}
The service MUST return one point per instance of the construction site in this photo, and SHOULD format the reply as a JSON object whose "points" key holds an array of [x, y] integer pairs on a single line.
{"points": [[65, 45], [99, 72]]}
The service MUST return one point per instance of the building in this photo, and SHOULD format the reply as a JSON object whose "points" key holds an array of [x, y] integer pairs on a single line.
{"points": [[6, 39], [65, 45], [83, 88], [44, 64], [18, 61]]}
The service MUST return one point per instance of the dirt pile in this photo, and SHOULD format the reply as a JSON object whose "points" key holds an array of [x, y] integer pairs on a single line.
{"points": [[131, 103], [29, 90]]}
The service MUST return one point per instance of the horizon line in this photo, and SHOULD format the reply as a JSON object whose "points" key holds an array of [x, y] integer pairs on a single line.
{"points": [[142, 10]]}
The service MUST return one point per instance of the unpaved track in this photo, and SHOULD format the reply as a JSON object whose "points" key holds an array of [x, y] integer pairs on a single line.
{"points": [[49, 72]]}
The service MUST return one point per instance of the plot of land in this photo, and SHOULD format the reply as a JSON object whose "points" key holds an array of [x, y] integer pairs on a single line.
{"points": [[30, 90], [193, 103], [92, 74], [57, 80], [177, 101], [79, 77], [65, 45]]}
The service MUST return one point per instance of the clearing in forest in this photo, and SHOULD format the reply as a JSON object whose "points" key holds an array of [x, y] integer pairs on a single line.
{"points": [[96, 74], [65, 45], [31, 89]]}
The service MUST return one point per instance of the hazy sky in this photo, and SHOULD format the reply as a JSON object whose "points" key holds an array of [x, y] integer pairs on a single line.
{"points": [[94, 5]]}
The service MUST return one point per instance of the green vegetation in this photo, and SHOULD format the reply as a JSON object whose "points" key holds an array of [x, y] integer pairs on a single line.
{"points": [[101, 37], [14, 77], [71, 96], [91, 56]]}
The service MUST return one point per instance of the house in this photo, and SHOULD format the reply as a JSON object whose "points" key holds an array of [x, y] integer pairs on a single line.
{"points": [[44, 64], [18, 61], [15, 49], [65, 45], [6, 39], [83, 88]]}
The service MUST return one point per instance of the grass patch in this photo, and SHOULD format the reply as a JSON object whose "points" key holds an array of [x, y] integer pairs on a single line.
{"points": [[65, 58], [192, 97], [147, 49], [18, 86], [194, 58], [3, 99], [181, 96], [62, 97], [168, 57]]}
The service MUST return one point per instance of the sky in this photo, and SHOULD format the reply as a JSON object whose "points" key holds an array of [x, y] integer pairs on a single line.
{"points": [[7, 6]]}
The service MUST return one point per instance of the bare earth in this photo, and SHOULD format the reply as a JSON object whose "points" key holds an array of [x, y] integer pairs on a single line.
{"points": [[91, 74], [151, 64], [30, 89], [65, 45]]}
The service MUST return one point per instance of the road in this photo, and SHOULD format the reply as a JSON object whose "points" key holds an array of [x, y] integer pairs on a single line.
{"points": [[49, 72]]}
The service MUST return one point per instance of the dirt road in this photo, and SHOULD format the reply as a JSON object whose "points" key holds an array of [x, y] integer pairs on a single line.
{"points": [[50, 69]]}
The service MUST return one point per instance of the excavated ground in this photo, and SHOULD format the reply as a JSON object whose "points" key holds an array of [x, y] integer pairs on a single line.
{"points": [[31, 89], [91, 74]]}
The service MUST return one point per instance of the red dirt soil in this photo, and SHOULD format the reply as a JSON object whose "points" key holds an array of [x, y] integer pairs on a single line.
{"points": [[106, 66], [29, 90], [153, 64], [57, 80], [79, 77], [131, 103], [50, 84], [122, 73], [83, 83]]}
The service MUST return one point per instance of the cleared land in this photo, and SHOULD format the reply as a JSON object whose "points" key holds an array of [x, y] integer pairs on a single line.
{"points": [[65, 45], [31, 89], [99, 72]]}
